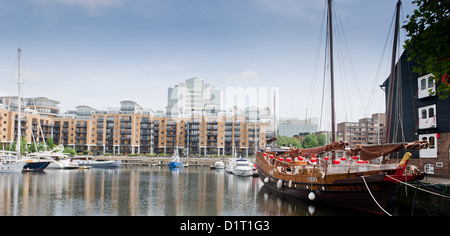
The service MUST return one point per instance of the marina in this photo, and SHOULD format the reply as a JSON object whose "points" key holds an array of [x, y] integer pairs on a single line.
{"points": [[236, 152], [154, 191]]}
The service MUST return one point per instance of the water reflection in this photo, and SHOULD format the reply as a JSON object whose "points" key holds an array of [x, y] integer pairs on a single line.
{"points": [[152, 191]]}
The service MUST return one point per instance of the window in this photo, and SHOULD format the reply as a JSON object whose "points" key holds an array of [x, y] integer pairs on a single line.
{"points": [[430, 82], [426, 85], [429, 168], [423, 84], [431, 151], [427, 117], [431, 113], [424, 113], [431, 142]]}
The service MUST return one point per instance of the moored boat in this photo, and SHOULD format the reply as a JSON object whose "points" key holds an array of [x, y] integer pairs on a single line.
{"points": [[229, 168], [175, 162], [57, 159], [243, 168], [10, 163], [86, 162], [219, 165], [35, 165], [357, 185]]}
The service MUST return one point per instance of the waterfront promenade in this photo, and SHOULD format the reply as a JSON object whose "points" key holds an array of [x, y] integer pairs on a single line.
{"points": [[163, 161], [436, 180]]}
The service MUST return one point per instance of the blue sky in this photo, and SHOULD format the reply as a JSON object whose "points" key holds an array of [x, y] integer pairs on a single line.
{"points": [[100, 52]]}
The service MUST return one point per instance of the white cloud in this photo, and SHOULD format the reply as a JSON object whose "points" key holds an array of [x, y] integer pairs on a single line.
{"points": [[91, 6]]}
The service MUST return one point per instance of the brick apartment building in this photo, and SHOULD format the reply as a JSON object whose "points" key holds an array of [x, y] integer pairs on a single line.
{"points": [[132, 130], [366, 131]]}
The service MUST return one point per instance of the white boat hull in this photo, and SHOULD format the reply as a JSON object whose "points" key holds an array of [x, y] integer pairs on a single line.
{"points": [[62, 164], [243, 172], [98, 164], [219, 165], [12, 167]]}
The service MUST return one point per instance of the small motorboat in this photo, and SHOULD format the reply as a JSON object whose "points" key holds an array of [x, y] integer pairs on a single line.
{"points": [[175, 163], [219, 165]]}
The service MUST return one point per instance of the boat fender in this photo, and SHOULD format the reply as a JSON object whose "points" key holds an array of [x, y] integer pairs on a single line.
{"points": [[266, 180], [311, 209], [279, 184], [290, 183], [311, 196]]}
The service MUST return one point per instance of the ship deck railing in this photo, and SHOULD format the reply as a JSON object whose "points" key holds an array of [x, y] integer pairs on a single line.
{"points": [[326, 167]]}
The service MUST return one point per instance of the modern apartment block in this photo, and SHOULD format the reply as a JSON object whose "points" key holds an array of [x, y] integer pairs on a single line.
{"points": [[192, 97], [292, 127], [30, 121], [366, 131], [131, 129]]}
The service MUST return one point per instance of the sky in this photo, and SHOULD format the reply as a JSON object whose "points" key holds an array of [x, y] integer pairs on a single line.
{"points": [[101, 52]]}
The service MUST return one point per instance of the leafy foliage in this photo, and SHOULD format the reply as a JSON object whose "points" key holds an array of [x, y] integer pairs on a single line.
{"points": [[429, 32], [288, 142]]}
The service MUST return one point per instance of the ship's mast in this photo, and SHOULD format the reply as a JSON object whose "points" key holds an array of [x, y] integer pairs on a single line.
{"points": [[390, 95], [274, 120], [19, 105], [333, 121]]}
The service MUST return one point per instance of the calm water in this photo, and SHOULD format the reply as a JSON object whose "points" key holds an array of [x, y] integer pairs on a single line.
{"points": [[155, 191]]}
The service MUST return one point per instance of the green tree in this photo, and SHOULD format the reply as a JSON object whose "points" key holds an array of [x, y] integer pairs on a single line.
{"points": [[428, 46], [41, 146], [69, 151], [23, 146], [12, 147], [50, 144], [31, 148], [322, 139], [288, 141], [310, 141]]}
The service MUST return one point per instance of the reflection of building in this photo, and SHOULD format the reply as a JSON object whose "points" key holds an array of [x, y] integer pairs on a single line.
{"points": [[422, 117], [192, 96], [367, 131]]}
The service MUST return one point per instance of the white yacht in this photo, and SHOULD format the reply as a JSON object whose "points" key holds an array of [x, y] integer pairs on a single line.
{"points": [[230, 165], [88, 162], [243, 167], [219, 165], [58, 160], [10, 163]]}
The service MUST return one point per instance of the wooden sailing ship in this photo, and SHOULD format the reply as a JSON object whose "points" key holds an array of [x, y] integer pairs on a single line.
{"points": [[351, 182]]}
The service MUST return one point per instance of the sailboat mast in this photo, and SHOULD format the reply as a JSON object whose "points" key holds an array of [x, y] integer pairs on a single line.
{"points": [[333, 121], [19, 105], [390, 96], [274, 120]]}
